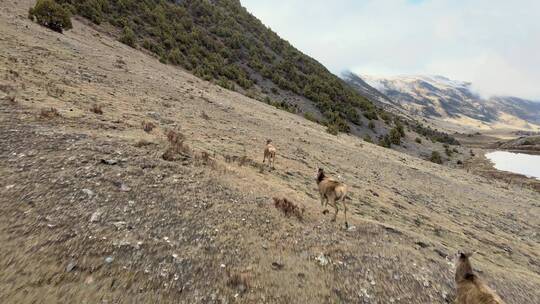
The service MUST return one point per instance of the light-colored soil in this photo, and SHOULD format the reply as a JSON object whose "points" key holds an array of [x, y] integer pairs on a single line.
{"points": [[194, 232]]}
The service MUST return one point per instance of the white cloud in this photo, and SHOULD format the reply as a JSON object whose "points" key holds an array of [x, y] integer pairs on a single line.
{"points": [[493, 43]]}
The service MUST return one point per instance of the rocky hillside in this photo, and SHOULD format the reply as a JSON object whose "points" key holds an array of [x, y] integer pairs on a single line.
{"points": [[529, 144], [451, 101], [126, 180]]}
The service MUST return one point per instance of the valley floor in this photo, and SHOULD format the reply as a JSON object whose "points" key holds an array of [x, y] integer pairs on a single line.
{"points": [[135, 228]]}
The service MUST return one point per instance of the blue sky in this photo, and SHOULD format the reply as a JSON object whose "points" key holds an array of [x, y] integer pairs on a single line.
{"points": [[494, 44]]}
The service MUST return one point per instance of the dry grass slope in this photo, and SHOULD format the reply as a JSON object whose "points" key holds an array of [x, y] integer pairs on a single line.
{"points": [[202, 228]]}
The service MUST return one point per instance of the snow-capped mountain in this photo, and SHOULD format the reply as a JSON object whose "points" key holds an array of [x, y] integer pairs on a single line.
{"points": [[452, 101]]}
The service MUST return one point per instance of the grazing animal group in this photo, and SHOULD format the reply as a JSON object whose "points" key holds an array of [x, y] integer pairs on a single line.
{"points": [[331, 191], [470, 288]]}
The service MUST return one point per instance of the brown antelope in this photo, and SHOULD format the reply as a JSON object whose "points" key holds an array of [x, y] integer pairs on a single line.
{"points": [[269, 153], [470, 288], [332, 192]]}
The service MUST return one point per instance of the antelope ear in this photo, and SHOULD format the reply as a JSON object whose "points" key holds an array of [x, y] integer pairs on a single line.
{"points": [[465, 255]]}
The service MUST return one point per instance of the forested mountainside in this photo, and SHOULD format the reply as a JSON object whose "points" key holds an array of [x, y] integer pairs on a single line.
{"points": [[221, 41]]}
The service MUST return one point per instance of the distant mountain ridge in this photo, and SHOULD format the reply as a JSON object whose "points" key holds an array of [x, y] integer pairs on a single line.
{"points": [[441, 98]]}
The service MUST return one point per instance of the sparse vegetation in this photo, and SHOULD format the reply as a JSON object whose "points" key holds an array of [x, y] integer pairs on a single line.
{"points": [[289, 208], [309, 116], [148, 126], [368, 139], [51, 15], [434, 135], [177, 146], [128, 37], [385, 141], [49, 113], [371, 125], [436, 157], [97, 109], [332, 129], [238, 281], [395, 136], [418, 140]]}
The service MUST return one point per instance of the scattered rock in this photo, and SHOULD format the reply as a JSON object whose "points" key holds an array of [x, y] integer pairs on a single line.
{"points": [[441, 253], [124, 188], [88, 192], [71, 266], [322, 260], [374, 193], [9, 187], [422, 244], [109, 259], [96, 216], [277, 265], [110, 162], [119, 225], [89, 280]]}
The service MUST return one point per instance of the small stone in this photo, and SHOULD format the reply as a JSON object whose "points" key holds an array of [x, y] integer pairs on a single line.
{"points": [[109, 259], [119, 225], [96, 216], [322, 260], [110, 162], [9, 187], [124, 188], [277, 265], [71, 266], [88, 192]]}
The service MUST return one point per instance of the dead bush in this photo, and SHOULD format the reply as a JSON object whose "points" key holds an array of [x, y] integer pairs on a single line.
{"points": [[6, 88], [54, 91], [97, 109], [143, 143], [148, 126], [49, 113], [11, 99], [175, 137], [289, 208], [240, 160], [177, 146], [239, 281]]}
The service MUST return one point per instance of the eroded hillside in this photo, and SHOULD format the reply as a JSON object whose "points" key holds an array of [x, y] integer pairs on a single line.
{"points": [[92, 212]]}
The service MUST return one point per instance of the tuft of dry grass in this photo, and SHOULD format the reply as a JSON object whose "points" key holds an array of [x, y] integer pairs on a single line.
{"points": [[289, 208], [11, 99], [54, 91], [177, 146], [148, 126], [97, 109], [143, 143], [239, 281], [49, 113]]}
